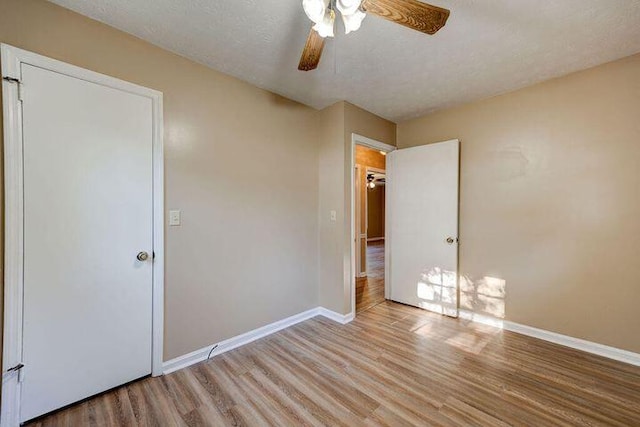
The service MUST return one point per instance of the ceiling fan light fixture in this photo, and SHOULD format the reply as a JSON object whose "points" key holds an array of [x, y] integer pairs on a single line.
{"points": [[353, 22], [325, 27], [371, 181], [414, 14], [316, 10]]}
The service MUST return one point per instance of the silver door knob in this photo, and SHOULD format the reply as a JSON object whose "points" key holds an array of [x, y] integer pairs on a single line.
{"points": [[142, 256], [450, 240]]}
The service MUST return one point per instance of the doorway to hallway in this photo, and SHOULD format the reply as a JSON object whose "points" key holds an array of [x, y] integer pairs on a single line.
{"points": [[369, 202]]}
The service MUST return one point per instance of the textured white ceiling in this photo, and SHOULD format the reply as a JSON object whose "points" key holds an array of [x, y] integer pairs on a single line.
{"points": [[487, 47]]}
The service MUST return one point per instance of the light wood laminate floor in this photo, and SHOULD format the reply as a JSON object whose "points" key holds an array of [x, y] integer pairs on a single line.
{"points": [[392, 366], [370, 289]]}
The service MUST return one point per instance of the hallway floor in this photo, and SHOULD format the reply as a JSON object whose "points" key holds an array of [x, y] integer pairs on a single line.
{"points": [[370, 289]]}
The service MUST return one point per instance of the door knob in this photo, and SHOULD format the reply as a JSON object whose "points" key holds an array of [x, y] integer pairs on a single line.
{"points": [[142, 256], [450, 240]]}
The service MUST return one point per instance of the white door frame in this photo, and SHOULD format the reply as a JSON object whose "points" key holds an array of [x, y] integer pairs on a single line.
{"points": [[12, 58], [358, 223], [380, 146]]}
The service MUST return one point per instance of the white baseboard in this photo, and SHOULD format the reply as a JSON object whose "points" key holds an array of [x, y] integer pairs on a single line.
{"points": [[240, 340], [565, 340], [577, 343], [363, 274], [237, 341], [336, 317], [375, 239]]}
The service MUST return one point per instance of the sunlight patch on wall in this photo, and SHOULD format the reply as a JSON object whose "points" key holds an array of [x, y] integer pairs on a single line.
{"points": [[485, 295]]}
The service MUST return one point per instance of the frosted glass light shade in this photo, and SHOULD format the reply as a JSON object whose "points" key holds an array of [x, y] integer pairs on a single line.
{"points": [[316, 10], [354, 21], [348, 7], [325, 28]]}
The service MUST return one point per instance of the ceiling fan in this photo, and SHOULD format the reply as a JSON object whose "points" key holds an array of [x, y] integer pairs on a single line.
{"points": [[410, 13]]}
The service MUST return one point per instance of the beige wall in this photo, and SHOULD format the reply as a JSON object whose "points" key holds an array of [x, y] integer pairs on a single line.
{"points": [[330, 197], [335, 194], [550, 201], [246, 254]]}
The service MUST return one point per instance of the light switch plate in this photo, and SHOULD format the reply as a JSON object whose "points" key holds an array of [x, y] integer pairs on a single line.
{"points": [[174, 218], [334, 216]]}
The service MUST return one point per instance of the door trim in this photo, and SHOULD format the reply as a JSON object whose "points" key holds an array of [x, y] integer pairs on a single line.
{"points": [[365, 235], [12, 58], [366, 201], [376, 145], [358, 223]]}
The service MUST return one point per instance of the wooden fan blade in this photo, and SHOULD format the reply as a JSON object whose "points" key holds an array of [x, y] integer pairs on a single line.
{"points": [[312, 52], [410, 13]]}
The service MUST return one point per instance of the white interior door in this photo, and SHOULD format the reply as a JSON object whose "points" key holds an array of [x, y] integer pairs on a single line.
{"points": [[422, 209], [87, 214]]}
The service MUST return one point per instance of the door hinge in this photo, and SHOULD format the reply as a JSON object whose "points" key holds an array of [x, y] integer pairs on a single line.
{"points": [[16, 368], [11, 79], [16, 81]]}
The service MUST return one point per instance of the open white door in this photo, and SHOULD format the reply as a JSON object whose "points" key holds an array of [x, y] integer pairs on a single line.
{"points": [[422, 210]]}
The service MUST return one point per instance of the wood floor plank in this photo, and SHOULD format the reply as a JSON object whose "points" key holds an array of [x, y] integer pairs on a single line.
{"points": [[413, 403], [393, 365], [348, 395], [466, 415], [320, 404]]}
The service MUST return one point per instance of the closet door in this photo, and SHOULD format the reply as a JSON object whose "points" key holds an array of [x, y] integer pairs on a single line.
{"points": [[87, 239]]}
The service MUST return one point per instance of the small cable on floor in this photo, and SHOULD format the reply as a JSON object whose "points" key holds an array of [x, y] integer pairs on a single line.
{"points": [[212, 348]]}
